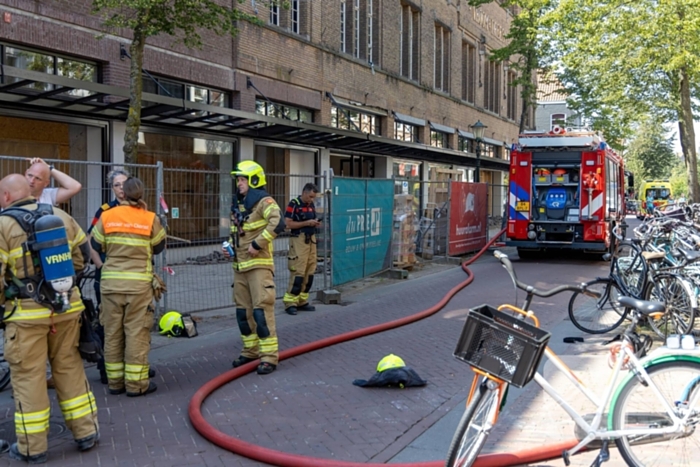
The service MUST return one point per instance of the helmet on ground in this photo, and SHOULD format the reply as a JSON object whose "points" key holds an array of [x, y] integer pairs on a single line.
{"points": [[252, 171], [389, 362], [171, 324]]}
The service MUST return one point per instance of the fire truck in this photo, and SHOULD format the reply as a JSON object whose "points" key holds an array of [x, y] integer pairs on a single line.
{"points": [[566, 191]]}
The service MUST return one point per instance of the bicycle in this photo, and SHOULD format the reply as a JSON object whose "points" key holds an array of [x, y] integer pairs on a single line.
{"points": [[638, 273], [652, 411]]}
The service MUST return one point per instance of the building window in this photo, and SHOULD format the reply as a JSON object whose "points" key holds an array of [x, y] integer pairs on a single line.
{"points": [[357, 26], [343, 25], [468, 72], [410, 41], [466, 145], [274, 109], [405, 132], [441, 49], [295, 17], [274, 14], [512, 97], [557, 119], [353, 120], [492, 86], [178, 90], [34, 60], [438, 139]]}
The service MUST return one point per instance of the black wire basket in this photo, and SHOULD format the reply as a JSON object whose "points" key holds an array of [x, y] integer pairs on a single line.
{"points": [[501, 345]]}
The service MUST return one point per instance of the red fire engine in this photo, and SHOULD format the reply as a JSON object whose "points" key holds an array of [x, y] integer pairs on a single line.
{"points": [[567, 191]]}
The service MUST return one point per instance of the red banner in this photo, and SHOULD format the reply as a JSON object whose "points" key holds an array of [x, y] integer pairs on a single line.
{"points": [[467, 218]]}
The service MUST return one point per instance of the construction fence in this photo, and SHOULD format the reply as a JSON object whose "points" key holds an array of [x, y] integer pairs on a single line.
{"points": [[368, 225]]}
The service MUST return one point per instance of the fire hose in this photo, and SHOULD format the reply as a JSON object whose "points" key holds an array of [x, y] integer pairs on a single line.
{"points": [[283, 459]]}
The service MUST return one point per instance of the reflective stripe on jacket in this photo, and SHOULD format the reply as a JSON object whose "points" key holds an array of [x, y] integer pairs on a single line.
{"points": [[13, 260], [260, 227], [127, 235]]}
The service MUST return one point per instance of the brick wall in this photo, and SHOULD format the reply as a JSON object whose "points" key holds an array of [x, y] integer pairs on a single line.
{"points": [[294, 68]]}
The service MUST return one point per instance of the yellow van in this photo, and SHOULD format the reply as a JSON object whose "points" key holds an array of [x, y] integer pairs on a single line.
{"points": [[656, 191]]}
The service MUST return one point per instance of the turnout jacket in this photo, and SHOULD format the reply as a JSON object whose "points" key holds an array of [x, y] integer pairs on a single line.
{"points": [[129, 236], [13, 259], [262, 222]]}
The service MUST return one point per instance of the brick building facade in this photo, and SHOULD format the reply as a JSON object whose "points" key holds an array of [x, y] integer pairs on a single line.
{"points": [[413, 73]]}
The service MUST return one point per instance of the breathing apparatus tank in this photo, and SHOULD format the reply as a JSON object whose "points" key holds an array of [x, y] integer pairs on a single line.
{"points": [[54, 253]]}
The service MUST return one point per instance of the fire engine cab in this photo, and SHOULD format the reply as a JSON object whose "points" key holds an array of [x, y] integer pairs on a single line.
{"points": [[566, 191]]}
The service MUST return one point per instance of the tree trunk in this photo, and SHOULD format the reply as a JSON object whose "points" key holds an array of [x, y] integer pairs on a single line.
{"points": [[133, 120], [687, 136]]}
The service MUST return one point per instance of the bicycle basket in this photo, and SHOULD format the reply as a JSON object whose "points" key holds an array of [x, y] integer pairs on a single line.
{"points": [[502, 345]]}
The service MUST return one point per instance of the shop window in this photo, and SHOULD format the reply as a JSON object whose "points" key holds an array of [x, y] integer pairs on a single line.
{"points": [[353, 120], [34, 60], [192, 93], [405, 132], [274, 109], [438, 139]]}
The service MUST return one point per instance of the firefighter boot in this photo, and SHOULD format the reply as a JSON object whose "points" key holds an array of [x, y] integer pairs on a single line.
{"points": [[88, 443], [306, 307], [35, 459], [292, 310]]}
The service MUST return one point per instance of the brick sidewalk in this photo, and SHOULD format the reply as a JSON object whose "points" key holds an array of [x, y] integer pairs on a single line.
{"points": [[308, 406]]}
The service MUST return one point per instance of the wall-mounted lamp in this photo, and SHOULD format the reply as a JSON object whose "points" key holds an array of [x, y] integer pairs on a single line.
{"points": [[122, 52]]}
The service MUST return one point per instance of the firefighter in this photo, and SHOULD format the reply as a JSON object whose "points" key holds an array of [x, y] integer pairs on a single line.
{"points": [[300, 217], [129, 235], [36, 328], [256, 221]]}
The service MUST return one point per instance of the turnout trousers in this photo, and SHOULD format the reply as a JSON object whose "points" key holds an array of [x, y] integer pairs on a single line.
{"points": [[127, 320], [27, 346], [302, 266], [254, 294]]}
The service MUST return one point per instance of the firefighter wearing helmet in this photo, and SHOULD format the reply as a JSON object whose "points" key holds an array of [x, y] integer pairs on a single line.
{"points": [[36, 326], [256, 221]]}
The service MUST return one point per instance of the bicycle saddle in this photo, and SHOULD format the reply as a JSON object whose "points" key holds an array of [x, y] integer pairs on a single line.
{"points": [[653, 255], [643, 306]]}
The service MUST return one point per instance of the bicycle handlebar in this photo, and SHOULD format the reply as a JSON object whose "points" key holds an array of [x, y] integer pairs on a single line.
{"points": [[505, 261]]}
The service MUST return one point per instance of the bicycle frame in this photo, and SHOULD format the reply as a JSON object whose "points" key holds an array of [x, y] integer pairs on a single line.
{"points": [[597, 428]]}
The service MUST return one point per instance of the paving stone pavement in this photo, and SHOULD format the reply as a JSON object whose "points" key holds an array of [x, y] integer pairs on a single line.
{"points": [[308, 406]]}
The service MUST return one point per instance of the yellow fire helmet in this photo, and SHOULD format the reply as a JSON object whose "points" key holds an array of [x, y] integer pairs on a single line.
{"points": [[171, 324], [389, 362], [252, 171]]}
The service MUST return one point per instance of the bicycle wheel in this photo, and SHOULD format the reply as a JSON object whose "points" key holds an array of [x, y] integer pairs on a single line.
{"points": [[677, 294], [597, 315], [474, 427], [4, 373], [638, 406], [629, 268]]}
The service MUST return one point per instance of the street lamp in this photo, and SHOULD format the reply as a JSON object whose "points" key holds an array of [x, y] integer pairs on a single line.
{"points": [[478, 130]]}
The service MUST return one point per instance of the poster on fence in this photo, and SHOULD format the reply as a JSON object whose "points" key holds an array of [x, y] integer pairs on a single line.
{"points": [[361, 224], [467, 218]]}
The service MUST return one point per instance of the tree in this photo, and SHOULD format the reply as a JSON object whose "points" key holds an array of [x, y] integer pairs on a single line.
{"points": [[650, 155], [525, 50], [182, 19], [625, 60]]}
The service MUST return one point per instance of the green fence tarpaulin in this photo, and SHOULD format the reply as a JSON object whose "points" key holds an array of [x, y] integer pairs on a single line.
{"points": [[361, 226]]}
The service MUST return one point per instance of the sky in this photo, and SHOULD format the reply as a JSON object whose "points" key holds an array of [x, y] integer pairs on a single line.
{"points": [[676, 141]]}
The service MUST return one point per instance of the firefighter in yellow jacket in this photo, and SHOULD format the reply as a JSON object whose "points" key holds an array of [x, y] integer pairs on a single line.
{"points": [[40, 324], [255, 222], [129, 235]]}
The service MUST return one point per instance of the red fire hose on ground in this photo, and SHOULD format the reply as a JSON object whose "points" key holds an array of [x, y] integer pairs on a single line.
{"points": [[283, 459]]}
